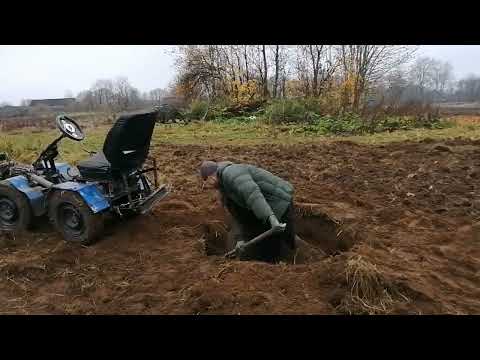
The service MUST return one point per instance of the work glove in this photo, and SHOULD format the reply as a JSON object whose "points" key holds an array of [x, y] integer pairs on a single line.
{"points": [[238, 252], [276, 225]]}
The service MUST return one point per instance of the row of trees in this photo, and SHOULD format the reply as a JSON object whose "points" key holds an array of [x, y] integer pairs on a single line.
{"points": [[431, 81], [467, 89], [426, 80], [248, 72], [112, 95], [348, 76], [117, 95]]}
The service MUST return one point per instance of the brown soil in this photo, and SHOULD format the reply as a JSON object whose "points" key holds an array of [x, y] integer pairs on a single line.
{"points": [[397, 223]]}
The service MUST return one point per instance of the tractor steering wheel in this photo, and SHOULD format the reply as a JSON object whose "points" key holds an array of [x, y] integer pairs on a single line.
{"points": [[70, 128]]}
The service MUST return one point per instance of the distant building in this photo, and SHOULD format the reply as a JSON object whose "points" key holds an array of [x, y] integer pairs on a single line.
{"points": [[52, 102], [13, 111]]}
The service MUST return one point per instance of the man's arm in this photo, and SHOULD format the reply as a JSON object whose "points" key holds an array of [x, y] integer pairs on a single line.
{"points": [[250, 192], [255, 201]]}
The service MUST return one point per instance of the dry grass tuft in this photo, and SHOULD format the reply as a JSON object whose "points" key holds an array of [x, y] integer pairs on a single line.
{"points": [[370, 291]]}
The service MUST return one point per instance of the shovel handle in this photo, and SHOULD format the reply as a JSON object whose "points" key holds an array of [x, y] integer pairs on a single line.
{"points": [[260, 237], [253, 241]]}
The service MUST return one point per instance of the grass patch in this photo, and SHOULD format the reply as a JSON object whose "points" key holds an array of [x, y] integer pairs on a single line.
{"points": [[251, 132], [24, 145]]}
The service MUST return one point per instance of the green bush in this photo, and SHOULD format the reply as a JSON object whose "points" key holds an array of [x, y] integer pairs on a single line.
{"points": [[348, 124], [196, 110], [392, 123], [221, 110], [292, 110], [308, 115]]}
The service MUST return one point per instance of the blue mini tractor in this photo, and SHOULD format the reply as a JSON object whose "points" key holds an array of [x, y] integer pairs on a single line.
{"points": [[76, 199]]}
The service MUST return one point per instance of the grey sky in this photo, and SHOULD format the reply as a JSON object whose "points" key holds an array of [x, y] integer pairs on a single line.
{"points": [[465, 59], [30, 72]]}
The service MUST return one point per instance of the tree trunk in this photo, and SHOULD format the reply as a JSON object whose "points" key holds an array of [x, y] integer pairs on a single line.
{"points": [[315, 57], [275, 85], [247, 75], [239, 69], [265, 73], [356, 95]]}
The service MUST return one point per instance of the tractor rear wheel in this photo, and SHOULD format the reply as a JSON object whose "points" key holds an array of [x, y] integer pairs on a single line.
{"points": [[72, 217], [15, 211]]}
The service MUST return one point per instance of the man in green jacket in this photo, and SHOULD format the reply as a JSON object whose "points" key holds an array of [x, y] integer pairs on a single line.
{"points": [[258, 201]]}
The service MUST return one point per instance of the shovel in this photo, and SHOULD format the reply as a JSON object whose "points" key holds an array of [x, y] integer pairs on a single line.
{"points": [[255, 240]]}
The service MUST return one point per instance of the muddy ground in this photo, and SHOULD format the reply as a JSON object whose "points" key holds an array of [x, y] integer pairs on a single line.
{"points": [[397, 223]]}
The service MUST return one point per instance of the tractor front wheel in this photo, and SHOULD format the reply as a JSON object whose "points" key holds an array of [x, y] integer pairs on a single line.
{"points": [[15, 211], [72, 217]]}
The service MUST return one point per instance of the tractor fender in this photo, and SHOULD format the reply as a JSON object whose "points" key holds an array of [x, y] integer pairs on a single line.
{"points": [[34, 195], [90, 193]]}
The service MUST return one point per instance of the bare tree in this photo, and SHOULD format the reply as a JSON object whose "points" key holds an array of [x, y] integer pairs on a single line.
{"points": [[468, 89], [276, 70], [277, 57], [111, 96], [213, 71], [199, 71], [259, 62], [265, 73], [121, 93], [86, 100], [126, 96], [396, 84], [246, 62], [422, 75], [156, 95], [442, 76], [103, 93], [316, 65], [364, 65]]}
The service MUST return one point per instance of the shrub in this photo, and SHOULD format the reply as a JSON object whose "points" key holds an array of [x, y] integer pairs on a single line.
{"points": [[292, 110], [312, 115], [197, 110], [347, 124]]}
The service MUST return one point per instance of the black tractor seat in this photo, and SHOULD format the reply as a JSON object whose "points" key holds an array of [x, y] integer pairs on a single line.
{"points": [[96, 167], [126, 147]]}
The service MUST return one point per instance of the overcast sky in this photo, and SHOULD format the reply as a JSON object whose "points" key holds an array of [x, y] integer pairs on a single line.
{"points": [[32, 72]]}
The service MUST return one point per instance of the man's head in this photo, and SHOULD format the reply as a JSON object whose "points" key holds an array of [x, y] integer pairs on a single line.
{"points": [[208, 170]]}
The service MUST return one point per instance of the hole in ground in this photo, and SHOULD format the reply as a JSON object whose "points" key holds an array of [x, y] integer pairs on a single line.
{"points": [[322, 232], [318, 236]]}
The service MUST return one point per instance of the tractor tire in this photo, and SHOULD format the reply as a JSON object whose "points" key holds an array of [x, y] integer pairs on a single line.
{"points": [[15, 211], [72, 218]]}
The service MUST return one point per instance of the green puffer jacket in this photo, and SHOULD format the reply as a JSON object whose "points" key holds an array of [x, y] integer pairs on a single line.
{"points": [[255, 189]]}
